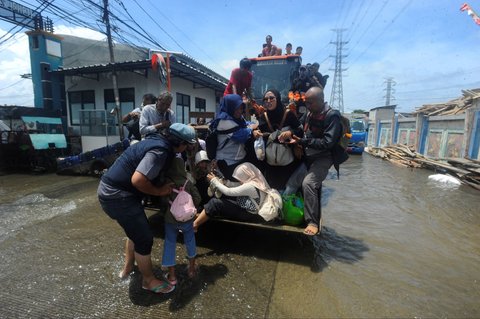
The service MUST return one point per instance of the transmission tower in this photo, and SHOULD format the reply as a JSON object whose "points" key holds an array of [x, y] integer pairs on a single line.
{"points": [[336, 99], [390, 90]]}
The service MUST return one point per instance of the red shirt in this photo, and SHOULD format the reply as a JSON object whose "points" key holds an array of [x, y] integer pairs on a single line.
{"points": [[242, 79]]}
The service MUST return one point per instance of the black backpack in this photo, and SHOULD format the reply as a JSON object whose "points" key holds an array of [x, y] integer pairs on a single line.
{"points": [[212, 141]]}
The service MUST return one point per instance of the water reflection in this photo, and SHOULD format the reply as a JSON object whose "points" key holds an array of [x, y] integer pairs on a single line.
{"points": [[332, 246], [185, 291]]}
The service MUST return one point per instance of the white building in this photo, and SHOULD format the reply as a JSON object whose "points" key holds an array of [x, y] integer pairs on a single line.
{"points": [[89, 100]]}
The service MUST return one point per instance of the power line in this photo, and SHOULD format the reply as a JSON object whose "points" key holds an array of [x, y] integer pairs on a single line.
{"points": [[383, 31], [12, 84], [370, 25], [186, 36]]}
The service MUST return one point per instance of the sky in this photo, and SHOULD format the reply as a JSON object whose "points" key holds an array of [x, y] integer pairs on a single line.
{"points": [[430, 49]]}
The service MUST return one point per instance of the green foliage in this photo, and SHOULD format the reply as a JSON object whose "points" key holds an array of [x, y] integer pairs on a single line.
{"points": [[359, 111]]}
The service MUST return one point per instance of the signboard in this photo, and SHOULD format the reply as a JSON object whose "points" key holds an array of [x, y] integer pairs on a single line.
{"points": [[18, 14]]}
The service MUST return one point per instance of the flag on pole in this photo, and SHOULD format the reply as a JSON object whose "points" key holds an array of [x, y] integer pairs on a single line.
{"points": [[470, 12]]}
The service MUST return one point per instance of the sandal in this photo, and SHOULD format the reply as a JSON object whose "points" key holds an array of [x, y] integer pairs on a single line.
{"points": [[164, 288]]}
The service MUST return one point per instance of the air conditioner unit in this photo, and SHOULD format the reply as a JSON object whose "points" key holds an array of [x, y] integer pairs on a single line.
{"points": [[31, 126]]}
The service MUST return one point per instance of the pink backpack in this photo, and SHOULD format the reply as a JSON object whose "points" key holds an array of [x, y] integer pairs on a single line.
{"points": [[182, 207]]}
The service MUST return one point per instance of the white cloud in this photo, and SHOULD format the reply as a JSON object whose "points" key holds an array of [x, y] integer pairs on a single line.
{"points": [[15, 60], [80, 32]]}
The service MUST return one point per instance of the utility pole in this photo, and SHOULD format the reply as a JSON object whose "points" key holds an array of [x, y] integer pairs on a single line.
{"points": [[337, 88], [118, 108], [390, 90]]}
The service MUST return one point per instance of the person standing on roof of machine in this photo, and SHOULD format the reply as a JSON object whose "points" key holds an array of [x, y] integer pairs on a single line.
{"points": [[270, 49], [240, 79], [288, 49], [299, 50]]}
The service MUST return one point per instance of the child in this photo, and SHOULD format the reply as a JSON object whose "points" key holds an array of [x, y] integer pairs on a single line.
{"points": [[178, 175]]}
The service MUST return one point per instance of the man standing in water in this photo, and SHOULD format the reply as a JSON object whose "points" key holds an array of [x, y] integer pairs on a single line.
{"points": [[323, 130], [122, 188]]}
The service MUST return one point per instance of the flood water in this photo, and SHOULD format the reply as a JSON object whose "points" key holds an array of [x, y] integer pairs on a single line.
{"points": [[394, 244]]}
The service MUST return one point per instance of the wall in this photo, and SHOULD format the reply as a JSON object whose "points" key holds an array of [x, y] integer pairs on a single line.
{"points": [[452, 136], [141, 85]]}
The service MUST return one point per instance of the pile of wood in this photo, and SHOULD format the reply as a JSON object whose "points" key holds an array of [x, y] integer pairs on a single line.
{"points": [[466, 170], [453, 107]]}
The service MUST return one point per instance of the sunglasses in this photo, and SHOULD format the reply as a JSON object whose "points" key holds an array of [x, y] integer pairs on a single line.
{"points": [[269, 98]]}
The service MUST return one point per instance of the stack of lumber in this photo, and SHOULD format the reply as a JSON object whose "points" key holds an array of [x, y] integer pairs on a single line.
{"points": [[453, 107], [466, 170]]}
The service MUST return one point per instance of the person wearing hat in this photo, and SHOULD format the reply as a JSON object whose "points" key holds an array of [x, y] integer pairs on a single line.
{"points": [[202, 168], [127, 181]]}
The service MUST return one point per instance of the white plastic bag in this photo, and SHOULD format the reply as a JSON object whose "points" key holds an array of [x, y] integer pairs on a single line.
{"points": [[271, 206], [259, 146]]}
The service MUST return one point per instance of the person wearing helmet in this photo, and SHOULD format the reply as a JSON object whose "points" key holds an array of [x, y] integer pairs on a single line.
{"points": [[123, 187]]}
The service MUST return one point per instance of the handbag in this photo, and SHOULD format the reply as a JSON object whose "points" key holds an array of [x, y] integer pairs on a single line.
{"points": [[276, 153]]}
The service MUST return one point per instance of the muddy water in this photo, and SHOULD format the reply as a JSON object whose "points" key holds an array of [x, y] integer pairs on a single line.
{"points": [[394, 245]]}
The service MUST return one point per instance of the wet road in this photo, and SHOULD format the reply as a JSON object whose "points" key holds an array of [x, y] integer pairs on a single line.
{"points": [[394, 245]]}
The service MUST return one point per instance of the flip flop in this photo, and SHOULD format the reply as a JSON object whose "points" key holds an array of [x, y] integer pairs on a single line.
{"points": [[172, 282], [160, 289]]}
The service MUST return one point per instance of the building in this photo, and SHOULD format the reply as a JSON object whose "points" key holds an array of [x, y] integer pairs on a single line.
{"points": [[74, 75], [443, 130]]}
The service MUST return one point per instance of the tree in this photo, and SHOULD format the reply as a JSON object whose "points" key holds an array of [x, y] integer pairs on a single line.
{"points": [[360, 111]]}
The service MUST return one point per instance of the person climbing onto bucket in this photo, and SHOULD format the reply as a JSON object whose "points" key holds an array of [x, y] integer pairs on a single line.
{"points": [[323, 130]]}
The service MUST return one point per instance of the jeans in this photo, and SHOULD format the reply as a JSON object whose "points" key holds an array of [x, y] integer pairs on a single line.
{"points": [[171, 232], [130, 214]]}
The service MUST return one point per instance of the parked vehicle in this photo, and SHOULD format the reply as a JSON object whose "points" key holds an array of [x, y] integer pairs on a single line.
{"points": [[32, 139], [356, 144], [93, 162]]}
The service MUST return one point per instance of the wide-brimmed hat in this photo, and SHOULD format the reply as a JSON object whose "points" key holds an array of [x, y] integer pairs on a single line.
{"points": [[183, 132]]}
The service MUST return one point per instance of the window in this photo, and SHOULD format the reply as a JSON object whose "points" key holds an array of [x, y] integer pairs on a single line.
{"points": [[200, 104], [127, 100], [81, 100], [35, 42], [182, 111]]}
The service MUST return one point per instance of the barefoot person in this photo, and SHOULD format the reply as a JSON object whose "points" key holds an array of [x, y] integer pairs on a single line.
{"points": [[121, 190], [323, 130]]}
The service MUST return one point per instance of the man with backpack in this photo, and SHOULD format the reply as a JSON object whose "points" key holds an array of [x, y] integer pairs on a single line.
{"points": [[323, 131]]}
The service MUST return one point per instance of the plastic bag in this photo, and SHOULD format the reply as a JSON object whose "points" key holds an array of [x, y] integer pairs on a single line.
{"points": [[271, 206], [292, 212], [259, 146]]}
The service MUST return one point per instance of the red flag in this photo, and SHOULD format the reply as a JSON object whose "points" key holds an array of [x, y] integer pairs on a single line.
{"points": [[464, 7]]}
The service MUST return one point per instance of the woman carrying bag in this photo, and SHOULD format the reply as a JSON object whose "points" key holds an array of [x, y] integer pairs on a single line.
{"points": [[278, 124]]}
